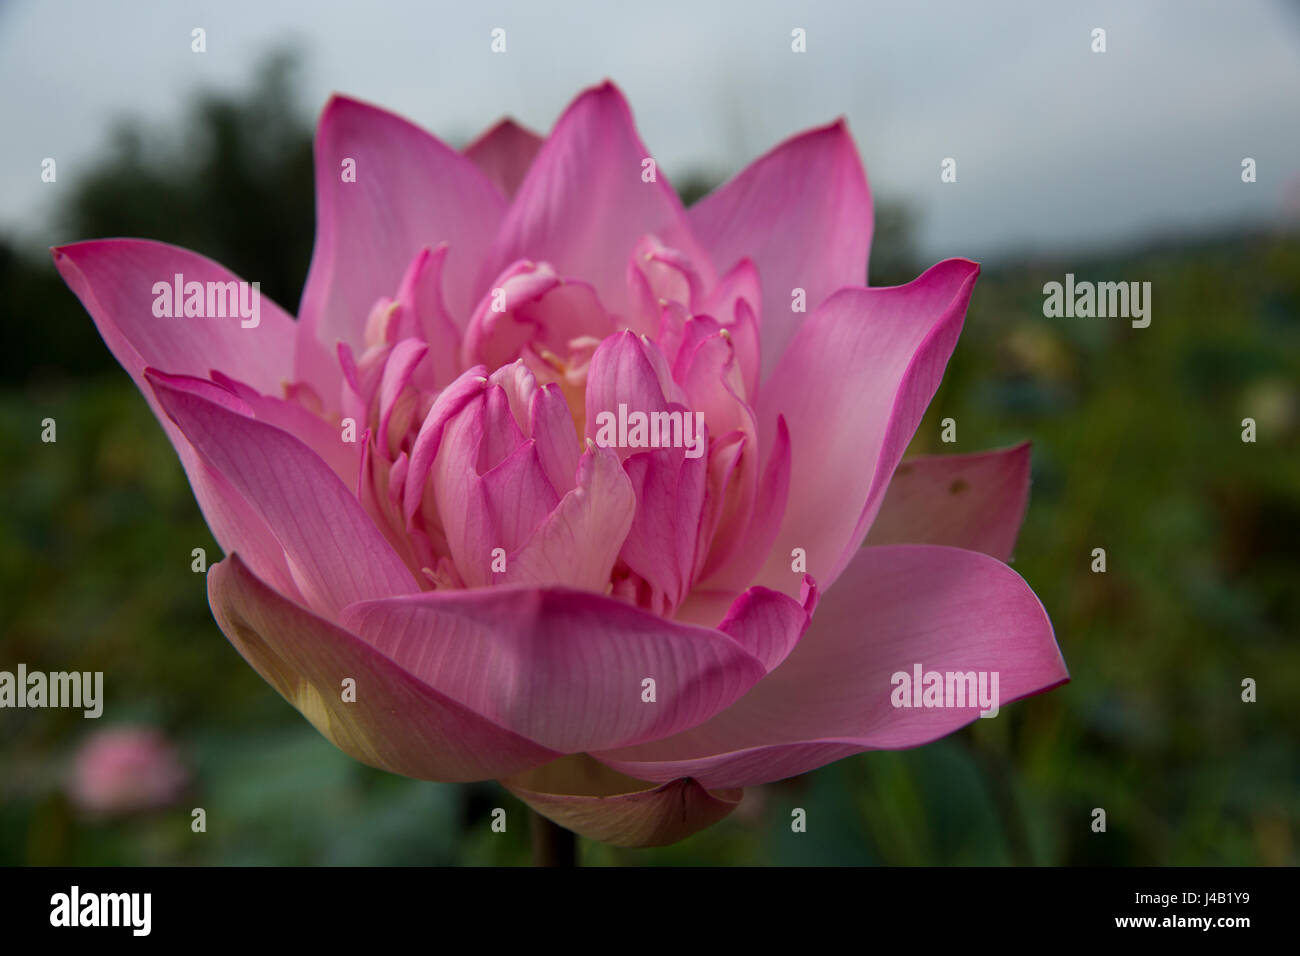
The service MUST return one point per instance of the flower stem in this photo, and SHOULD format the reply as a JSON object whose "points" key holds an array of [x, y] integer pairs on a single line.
{"points": [[552, 844]]}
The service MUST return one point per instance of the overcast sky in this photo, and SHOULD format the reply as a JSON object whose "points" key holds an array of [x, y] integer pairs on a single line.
{"points": [[1056, 146]]}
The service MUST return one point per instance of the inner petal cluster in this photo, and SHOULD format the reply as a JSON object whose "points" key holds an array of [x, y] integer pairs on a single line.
{"points": [[489, 449]]}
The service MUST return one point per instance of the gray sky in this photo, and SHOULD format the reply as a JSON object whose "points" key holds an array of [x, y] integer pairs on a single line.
{"points": [[1057, 147]]}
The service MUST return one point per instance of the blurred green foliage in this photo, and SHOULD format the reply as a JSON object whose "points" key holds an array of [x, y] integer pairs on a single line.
{"points": [[1137, 449]]}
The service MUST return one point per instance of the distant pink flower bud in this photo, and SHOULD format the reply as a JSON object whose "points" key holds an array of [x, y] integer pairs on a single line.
{"points": [[125, 770]]}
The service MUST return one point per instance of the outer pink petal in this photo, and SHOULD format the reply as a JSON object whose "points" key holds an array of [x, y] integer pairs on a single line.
{"points": [[318, 434], [336, 554], [853, 386], [114, 280], [583, 205], [566, 668], [803, 214], [897, 606], [396, 722], [504, 153], [411, 191], [599, 803], [966, 501]]}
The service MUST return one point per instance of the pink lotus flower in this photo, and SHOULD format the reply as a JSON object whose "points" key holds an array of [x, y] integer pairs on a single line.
{"points": [[126, 770], [623, 634]]}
